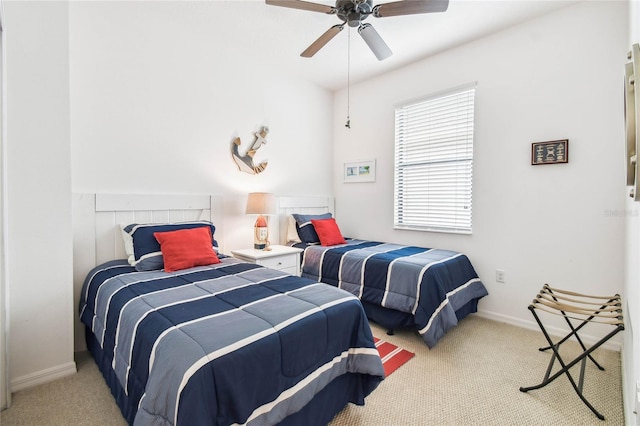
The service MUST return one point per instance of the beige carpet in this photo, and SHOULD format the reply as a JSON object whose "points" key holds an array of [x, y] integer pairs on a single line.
{"points": [[471, 377]]}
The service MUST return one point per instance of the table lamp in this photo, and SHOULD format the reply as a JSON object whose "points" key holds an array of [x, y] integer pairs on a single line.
{"points": [[261, 203]]}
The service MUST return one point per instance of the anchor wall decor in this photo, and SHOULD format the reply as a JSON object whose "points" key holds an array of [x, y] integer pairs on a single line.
{"points": [[245, 162]]}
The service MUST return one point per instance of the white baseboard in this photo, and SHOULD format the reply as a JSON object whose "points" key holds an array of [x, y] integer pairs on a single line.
{"points": [[43, 376], [69, 368], [611, 344]]}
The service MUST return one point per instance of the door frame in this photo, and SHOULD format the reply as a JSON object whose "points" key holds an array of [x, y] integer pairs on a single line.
{"points": [[5, 391]]}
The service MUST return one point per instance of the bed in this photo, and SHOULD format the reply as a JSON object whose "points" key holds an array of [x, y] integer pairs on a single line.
{"points": [[399, 286], [218, 343]]}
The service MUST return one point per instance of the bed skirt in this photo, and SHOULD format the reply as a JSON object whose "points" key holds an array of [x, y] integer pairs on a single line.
{"points": [[396, 320]]}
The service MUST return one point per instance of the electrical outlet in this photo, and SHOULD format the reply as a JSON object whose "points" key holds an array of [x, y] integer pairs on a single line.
{"points": [[499, 275]]}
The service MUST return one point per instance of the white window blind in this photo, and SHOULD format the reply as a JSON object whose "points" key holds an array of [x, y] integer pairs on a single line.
{"points": [[434, 163]]}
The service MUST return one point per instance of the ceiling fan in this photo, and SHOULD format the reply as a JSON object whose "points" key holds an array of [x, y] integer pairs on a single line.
{"points": [[353, 12]]}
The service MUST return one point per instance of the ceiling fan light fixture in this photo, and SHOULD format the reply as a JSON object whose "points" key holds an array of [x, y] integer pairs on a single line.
{"points": [[374, 41], [353, 20]]}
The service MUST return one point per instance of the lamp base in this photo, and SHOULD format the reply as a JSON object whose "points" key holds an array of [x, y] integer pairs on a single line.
{"points": [[262, 246], [261, 234]]}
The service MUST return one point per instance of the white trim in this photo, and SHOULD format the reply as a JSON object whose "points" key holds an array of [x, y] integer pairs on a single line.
{"points": [[5, 392], [553, 331], [43, 376]]}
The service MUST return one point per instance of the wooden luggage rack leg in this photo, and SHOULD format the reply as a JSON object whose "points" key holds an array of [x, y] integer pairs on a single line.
{"points": [[576, 306]]}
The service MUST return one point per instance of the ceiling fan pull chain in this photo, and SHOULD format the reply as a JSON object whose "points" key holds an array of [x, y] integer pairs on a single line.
{"points": [[348, 123]]}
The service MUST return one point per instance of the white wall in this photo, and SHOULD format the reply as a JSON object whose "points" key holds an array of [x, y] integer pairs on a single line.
{"points": [[157, 97], [39, 247], [631, 349], [556, 77]]}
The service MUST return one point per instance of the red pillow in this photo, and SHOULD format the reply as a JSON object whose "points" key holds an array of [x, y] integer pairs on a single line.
{"points": [[328, 232], [186, 248]]}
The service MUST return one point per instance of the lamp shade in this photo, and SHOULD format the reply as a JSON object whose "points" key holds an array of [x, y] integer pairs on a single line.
{"points": [[261, 203]]}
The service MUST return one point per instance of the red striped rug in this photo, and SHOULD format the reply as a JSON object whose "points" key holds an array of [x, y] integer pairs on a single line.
{"points": [[392, 356]]}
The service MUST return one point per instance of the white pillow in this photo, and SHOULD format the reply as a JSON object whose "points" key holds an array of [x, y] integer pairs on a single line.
{"points": [[292, 232], [128, 245]]}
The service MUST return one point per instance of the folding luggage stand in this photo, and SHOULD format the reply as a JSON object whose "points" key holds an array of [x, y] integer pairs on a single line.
{"points": [[580, 307]]}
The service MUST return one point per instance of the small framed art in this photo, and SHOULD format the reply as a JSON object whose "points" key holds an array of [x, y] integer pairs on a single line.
{"points": [[360, 171], [551, 152]]}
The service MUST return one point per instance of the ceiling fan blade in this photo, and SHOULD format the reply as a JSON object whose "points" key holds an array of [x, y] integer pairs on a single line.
{"points": [[409, 7], [374, 41], [322, 40], [302, 5]]}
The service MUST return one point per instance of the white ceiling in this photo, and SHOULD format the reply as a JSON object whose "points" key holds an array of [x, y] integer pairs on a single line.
{"points": [[276, 36]]}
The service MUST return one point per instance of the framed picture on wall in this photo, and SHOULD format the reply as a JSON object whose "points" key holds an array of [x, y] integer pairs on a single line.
{"points": [[360, 171], [551, 152]]}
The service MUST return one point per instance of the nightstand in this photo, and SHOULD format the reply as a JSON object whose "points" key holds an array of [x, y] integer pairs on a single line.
{"points": [[282, 258]]}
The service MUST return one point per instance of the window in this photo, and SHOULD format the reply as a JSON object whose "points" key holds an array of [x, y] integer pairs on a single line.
{"points": [[434, 162]]}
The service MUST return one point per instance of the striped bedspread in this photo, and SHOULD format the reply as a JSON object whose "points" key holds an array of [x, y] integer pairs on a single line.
{"points": [[223, 344], [430, 284]]}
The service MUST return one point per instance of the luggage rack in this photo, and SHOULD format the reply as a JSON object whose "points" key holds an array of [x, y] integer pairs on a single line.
{"points": [[578, 307]]}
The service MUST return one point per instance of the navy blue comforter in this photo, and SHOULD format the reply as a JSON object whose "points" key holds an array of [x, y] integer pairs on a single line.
{"points": [[227, 343], [429, 284]]}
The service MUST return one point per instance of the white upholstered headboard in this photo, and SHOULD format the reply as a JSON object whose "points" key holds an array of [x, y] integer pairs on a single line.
{"points": [[97, 220], [303, 205]]}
